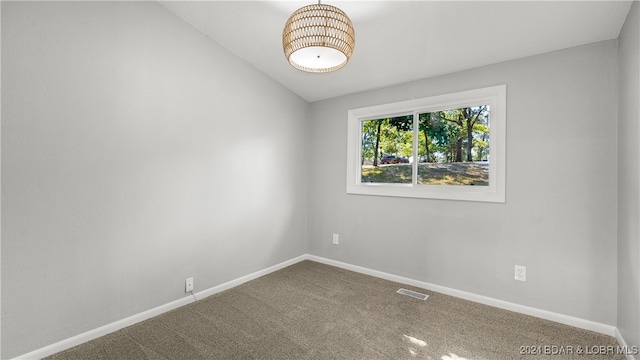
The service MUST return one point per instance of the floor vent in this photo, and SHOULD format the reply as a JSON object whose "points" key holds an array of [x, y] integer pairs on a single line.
{"points": [[413, 294]]}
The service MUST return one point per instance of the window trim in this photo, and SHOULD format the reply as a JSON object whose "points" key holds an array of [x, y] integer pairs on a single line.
{"points": [[494, 96]]}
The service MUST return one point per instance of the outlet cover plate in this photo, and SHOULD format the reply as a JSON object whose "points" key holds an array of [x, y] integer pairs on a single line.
{"points": [[336, 239], [188, 285], [521, 273]]}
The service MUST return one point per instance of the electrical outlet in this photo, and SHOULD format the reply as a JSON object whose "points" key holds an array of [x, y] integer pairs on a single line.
{"points": [[521, 273], [188, 285], [336, 239]]}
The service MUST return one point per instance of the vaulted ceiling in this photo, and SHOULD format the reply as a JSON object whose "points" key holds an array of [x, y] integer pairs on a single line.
{"points": [[402, 41]]}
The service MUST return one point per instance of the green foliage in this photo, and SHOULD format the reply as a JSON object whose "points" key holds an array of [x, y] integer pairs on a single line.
{"points": [[369, 131], [452, 135], [387, 136]]}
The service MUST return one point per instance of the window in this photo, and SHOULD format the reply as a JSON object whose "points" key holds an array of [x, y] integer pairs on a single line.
{"points": [[443, 147]]}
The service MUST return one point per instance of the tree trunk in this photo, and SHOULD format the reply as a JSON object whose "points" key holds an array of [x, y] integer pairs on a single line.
{"points": [[426, 146], [481, 148], [375, 154], [469, 140], [459, 150]]}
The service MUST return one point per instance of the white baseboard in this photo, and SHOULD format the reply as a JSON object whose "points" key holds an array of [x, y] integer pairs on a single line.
{"points": [[623, 344], [103, 330], [544, 314], [244, 279], [134, 319], [120, 324]]}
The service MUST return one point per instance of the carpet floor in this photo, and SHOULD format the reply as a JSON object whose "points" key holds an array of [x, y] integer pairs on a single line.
{"points": [[314, 311]]}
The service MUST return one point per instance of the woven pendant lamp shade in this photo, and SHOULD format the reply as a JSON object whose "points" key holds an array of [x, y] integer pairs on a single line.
{"points": [[318, 38]]}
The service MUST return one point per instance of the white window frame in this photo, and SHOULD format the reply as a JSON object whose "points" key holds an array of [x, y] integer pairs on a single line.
{"points": [[494, 96]]}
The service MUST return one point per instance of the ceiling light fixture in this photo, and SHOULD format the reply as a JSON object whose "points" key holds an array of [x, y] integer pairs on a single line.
{"points": [[318, 38]]}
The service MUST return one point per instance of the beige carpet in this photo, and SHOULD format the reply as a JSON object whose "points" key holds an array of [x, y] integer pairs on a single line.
{"points": [[314, 311]]}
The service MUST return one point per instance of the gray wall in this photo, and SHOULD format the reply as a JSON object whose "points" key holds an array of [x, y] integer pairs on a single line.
{"points": [[629, 179], [136, 152], [559, 219]]}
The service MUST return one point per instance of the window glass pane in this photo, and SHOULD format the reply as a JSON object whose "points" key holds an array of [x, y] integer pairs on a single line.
{"points": [[387, 149], [458, 143], [453, 147]]}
